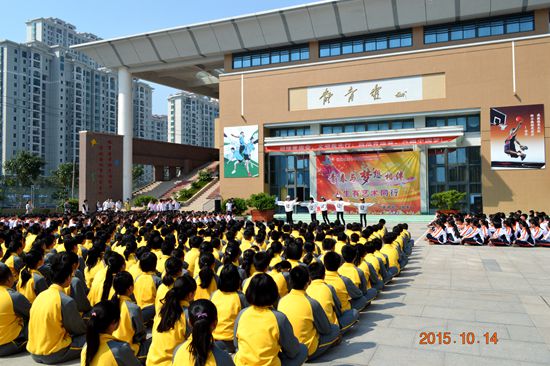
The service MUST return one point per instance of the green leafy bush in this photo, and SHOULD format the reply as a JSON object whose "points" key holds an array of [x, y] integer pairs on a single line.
{"points": [[73, 205], [205, 176], [197, 184], [142, 201], [185, 194], [262, 201], [447, 200], [239, 206]]}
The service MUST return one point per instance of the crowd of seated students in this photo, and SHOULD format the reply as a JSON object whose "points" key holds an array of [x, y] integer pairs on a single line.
{"points": [[515, 229], [213, 291]]}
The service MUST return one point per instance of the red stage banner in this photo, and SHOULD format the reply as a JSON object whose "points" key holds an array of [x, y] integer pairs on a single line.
{"points": [[359, 144], [389, 180]]}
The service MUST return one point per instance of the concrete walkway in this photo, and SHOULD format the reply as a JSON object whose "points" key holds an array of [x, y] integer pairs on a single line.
{"points": [[450, 289], [457, 289]]}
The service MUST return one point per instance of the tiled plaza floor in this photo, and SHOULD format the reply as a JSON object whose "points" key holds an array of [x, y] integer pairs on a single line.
{"points": [[451, 289]]}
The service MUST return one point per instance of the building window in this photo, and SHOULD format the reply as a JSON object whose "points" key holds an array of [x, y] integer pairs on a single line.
{"points": [[470, 123], [294, 131], [367, 126], [289, 175], [368, 43], [480, 28], [268, 57], [460, 169]]}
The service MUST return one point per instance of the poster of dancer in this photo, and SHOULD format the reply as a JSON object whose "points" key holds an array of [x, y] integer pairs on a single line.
{"points": [[517, 137], [240, 151]]}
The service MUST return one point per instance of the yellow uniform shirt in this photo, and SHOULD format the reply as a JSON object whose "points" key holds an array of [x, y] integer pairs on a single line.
{"points": [[261, 334], [145, 289], [14, 310], [130, 329], [333, 279], [35, 285], [164, 343], [229, 304], [54, 318], [393, 255], [320, 291], [89, 273], [216, 357], [111, 352], [305, 314]]}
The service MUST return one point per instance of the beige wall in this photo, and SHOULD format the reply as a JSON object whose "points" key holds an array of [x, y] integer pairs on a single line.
{"points": [[475, 77]]}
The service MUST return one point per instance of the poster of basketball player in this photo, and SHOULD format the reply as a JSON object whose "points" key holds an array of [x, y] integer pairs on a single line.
{"points": [[240, 151], [517, 137]]}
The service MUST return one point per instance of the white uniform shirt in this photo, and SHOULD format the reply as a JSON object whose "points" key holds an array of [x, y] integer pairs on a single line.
{"points": [[289, 205], [311, 206], [340, 205], [323, 205], [363, 206]]}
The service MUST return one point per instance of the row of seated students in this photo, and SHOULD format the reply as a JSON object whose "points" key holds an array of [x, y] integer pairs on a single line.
{"points": [[268, 294], [516, 229]]}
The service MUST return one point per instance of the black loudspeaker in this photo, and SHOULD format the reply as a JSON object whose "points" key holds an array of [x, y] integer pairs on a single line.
{"points": [[217, 205]]}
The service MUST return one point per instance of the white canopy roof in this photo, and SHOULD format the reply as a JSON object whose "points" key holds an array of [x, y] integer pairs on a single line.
{"points": [[191, 57]]}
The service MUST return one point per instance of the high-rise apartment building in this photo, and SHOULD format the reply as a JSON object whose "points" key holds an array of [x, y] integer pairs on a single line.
{"points": [[191, 119], [48, 93]]}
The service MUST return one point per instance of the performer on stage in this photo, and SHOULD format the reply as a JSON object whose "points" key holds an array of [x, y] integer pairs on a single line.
{"points": [[324, 209], [312, 208], [340, 206], [362, 207], [289, 208]]}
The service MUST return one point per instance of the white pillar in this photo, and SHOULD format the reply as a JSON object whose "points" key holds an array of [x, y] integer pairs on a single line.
{"points": [[125, 128]]}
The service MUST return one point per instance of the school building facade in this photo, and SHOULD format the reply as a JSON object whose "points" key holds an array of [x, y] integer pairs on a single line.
{"points": [[388, 100]]}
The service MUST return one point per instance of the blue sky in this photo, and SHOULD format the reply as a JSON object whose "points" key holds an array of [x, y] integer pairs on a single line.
{"points": [[115, 18]]}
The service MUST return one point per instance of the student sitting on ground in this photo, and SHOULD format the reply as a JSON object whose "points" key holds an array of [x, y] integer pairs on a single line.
{"points": [[102, 283], [31, 281], [102, 348], [131, 328], [146, 284], [326, 295], [437, 235], [308, 319], [371, 272], [14, 315], [56, 330], [264, 336], [170, 326], [353, 273], [348, 294], [173, 268], [207, 281], [229, 302], [199, 349]]}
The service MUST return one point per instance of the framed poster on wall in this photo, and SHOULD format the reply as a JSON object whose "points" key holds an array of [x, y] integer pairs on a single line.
{"points": [[517, 137], [240, 151]]}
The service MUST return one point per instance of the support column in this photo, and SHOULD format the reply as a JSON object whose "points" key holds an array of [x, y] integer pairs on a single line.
{"points": [[125, 128], [424, 189]]}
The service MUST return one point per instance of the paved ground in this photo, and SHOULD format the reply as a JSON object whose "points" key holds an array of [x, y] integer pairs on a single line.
{"points": [[457, 289], [451, 289]]}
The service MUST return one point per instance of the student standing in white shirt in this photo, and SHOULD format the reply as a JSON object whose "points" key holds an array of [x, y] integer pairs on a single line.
{"points": [[289, 208], [324, 210], [363, 207], [340, 206], [85, 207], [229, 207], [28, 208], [312, 208]]}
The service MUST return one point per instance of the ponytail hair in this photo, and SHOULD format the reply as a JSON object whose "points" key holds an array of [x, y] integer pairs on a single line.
{"points": [[13, 247], [102, 316], [171, 309], [115, 264], [93, 256], [31, 260], [173, 267], [206, 273], [248, 257], [232, 253], [5, 274], [202, 316], [121, 283]]}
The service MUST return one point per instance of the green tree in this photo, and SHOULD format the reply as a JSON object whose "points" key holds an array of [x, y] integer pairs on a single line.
{"points": [[25, 168], [447, 200], [137, 172], [62, 177]]}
